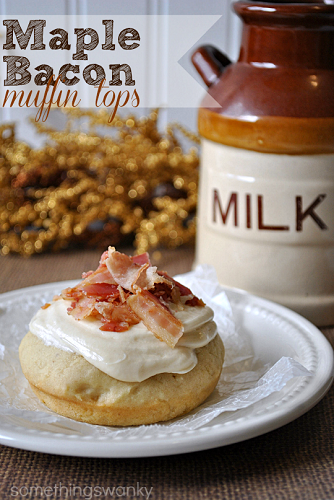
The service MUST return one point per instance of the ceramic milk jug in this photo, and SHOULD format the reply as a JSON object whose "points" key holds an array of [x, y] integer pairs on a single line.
{"points": [[266, 206]]}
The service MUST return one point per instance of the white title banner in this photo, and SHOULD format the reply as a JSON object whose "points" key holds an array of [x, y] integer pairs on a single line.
{"points": [[99, 61]]}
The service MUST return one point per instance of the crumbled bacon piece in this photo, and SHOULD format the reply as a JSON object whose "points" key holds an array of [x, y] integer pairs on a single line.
{"points": [[141, 259], [184, 292], [167, 293], [71, 293], [114, 326], [82, 308], [119, 313], [122, 294], [195, 302]]}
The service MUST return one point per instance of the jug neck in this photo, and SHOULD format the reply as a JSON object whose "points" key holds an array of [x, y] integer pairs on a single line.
{"points": [[299, 34]]}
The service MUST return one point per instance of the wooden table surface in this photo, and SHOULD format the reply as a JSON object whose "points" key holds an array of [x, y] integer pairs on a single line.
{"points": [[293, 462]]}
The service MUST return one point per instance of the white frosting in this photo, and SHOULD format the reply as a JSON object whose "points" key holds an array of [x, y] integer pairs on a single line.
{"points": [[130, 356]]}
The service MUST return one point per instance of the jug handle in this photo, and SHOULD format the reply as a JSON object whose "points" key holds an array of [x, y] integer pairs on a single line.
{"points": [[209, 63]]}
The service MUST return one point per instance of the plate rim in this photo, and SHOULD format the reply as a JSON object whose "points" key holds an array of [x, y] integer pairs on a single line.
{"points": [[204, 438]]}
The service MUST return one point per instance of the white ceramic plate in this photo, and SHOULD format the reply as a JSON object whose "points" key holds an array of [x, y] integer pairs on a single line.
{"points": [[274, 332]]}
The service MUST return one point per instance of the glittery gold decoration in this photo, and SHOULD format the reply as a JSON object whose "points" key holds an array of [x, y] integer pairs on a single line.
{"points": [[133, 185]]}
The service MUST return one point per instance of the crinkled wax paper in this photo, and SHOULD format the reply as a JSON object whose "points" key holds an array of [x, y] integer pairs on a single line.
{"points": [[244, 381]]}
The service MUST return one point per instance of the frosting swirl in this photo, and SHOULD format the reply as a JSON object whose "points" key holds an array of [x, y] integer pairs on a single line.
{"points": [[130, 356]]}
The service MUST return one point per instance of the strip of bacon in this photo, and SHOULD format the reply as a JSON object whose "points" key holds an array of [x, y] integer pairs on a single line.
{"points": [[130, 275], [102, 290], [101, 275], [156, 317], [141, 259], [101, 269], [104, 257], [86, 274], [124, 271]]}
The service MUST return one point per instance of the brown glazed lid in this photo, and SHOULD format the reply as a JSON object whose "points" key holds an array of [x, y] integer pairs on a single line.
{"points": [[285, 70]]}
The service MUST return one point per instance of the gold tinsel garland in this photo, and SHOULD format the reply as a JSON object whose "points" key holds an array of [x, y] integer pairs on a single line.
{"points": [[86, 189]]}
